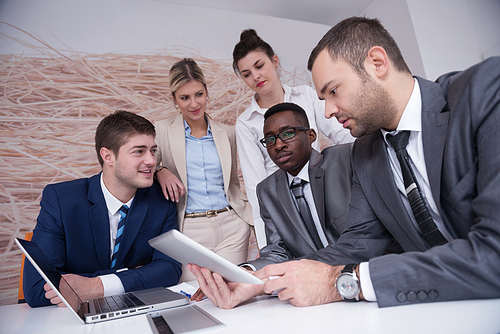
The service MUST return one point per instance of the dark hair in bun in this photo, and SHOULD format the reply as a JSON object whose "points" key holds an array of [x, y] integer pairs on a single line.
{"points": [[249, 41]]}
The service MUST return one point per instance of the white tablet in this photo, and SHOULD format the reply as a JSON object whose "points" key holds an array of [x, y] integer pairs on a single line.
{"points": [[185, 250]]}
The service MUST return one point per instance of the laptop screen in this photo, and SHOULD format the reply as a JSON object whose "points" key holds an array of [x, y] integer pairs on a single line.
{"points": [[51, 273]]}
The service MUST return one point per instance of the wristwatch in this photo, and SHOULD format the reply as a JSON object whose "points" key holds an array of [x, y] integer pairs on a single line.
{"points": [[348, 283]]}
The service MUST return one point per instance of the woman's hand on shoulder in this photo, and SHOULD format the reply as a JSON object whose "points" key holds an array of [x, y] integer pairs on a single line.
{"points": [[172, 188]]}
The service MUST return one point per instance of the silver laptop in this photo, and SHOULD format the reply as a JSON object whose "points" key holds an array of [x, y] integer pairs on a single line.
{"points": [[99, 309]]}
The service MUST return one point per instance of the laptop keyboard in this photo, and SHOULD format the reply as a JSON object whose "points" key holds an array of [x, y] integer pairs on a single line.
{"points": [[116, 303]]}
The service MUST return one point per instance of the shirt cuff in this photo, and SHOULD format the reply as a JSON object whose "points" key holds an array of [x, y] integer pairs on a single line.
{"points": [[366, 282], [249, 265], [112, 285]]}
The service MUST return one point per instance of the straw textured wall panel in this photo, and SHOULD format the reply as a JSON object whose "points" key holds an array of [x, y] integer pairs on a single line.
{"points": [[50, 104]]}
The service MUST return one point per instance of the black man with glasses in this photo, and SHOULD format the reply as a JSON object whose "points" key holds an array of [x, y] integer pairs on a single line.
{"points": [[304, 204]]}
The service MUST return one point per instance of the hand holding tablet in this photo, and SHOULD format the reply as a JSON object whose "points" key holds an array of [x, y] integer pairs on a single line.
{"points": [[185, 250]]}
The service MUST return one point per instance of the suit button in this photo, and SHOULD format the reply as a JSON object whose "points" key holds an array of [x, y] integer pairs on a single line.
{"points": [[433, 294], [422, 295], [411, 296], [401, 297]]}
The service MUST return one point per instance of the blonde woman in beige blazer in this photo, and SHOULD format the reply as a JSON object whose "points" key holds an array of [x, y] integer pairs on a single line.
{"points": [[223, 228]]}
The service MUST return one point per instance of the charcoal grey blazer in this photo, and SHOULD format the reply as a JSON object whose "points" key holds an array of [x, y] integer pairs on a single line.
{"points": [[287, 237], [461, 141]]}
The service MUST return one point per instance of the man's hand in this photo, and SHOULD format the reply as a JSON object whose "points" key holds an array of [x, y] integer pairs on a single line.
{"points": [[303, 282], [172, 188], [222, 294], [52, 296], [85, 287]]}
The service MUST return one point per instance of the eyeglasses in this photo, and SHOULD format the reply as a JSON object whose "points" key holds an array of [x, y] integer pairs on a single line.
{"points": [[284, 135]]}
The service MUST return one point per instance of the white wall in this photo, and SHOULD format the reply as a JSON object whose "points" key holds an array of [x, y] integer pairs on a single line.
{"points": [[435, 36], [449, 35], [137, 26], [398, 22]]}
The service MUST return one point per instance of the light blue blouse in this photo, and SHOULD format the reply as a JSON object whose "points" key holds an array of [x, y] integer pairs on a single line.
{"points": [[205, 182]]}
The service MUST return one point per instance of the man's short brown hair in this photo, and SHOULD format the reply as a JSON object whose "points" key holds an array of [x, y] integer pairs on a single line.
{"points": [[352, 38], [115, 129]]}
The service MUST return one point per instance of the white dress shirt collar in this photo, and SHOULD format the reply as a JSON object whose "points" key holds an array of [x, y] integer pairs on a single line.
{"points": [[302, 175], [112, 203], [411, 119]]}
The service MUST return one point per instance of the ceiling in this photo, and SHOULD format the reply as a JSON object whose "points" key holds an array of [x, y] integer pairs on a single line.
{"points": [[328, 12]]}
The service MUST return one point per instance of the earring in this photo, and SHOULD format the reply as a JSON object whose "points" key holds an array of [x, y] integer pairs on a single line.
{"points": [[176, 106]]}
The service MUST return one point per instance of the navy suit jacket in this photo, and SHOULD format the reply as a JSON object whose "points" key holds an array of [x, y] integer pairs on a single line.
{"points": [[73, 232], [461, 140]]}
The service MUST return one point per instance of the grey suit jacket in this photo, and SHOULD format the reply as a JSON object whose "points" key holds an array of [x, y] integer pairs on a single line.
{"points": [[287, 237], [170, 138], [461, 140]]}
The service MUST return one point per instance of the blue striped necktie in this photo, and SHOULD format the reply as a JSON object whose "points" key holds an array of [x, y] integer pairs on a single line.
{"points": [[121, 225]]}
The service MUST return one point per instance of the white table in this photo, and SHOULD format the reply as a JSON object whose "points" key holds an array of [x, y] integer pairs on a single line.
{"points": [[270, 315]]}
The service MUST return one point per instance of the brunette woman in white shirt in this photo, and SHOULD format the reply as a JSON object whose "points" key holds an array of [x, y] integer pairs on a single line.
{"points": [[198, 159], [256, 63]]}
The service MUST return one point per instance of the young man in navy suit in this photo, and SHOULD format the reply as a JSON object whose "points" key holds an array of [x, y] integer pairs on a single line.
{"points": [[96, 230]]}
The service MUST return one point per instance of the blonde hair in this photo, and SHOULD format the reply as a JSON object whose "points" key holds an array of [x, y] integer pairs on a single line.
{"points": [[184, 71]]}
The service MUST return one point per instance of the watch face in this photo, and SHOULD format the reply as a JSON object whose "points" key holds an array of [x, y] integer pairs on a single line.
{"points": [[347, 286]]}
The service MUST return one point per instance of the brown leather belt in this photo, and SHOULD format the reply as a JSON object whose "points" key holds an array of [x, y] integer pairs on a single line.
{"points": [[208, 213]]}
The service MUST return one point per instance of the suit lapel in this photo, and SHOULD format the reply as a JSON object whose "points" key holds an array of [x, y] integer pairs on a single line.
{"points": [[316, 179], [221, 141], [176, 138], [434, 130], [99, 222], [285, 197]]}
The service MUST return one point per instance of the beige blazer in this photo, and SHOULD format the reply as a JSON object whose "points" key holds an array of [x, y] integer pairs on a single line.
{"points": [[170, 138]]}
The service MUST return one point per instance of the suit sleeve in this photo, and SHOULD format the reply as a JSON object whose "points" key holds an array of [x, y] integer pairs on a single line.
{"points": [[275, 251], [49, 236], [364, 237]]}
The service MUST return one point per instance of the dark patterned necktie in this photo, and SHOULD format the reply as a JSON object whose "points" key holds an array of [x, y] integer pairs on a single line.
{"points": [[420, 211], [305, 212], [121, 225]]}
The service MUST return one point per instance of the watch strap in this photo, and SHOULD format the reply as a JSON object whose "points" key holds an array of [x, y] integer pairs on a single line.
{"points": [[349, 268]]}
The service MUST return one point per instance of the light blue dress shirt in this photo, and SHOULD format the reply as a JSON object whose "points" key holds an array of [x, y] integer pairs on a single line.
{"points": [[205, 182]]}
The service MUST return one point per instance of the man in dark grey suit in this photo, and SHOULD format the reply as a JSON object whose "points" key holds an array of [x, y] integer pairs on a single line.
{"points": [[288, 140], [450, 166], [453, 127]]}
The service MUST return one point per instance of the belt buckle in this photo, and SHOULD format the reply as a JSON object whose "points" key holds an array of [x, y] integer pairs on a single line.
{"points": [[211, 213]]}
